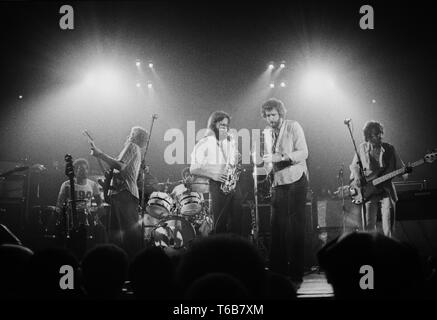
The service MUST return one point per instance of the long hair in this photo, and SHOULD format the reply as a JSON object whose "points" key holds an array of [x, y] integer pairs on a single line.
{"points": [[372, 125], [215, 117], [139, 136]]}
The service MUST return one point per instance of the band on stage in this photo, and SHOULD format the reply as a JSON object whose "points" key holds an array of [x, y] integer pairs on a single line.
{"points": [[131, 208]]}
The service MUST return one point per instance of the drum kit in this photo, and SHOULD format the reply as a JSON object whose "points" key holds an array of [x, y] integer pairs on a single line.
{"points": [[53, 222], [173, 220]]}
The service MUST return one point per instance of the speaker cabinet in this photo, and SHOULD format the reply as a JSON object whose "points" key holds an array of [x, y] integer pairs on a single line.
{"points": [[12, 215], [421, 234], [330, 214], [416, 205]]}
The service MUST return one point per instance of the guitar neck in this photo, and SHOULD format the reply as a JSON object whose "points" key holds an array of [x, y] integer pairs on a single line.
{"points": [[102, 168], [91, 141], [395, 173]]}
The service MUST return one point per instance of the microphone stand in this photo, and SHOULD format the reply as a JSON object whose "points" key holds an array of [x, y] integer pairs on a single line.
{"points": [[362, 177], [343, 207], [143, 182], [255, 196]]}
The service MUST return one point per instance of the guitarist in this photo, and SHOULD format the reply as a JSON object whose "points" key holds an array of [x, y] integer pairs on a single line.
{"points": [[285, 156], [124, 196], [377, 158]]}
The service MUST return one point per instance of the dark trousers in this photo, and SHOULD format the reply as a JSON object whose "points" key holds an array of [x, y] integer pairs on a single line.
{"points": [[288, 229], [125, 227], [227, 210]]}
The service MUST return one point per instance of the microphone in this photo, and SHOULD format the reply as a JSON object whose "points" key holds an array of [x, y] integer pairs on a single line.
{"points": [[347, 121]]}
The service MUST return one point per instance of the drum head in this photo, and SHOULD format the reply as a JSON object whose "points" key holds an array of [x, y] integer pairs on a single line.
{"points": [[190, 203], [160, 205], [174, 232]]}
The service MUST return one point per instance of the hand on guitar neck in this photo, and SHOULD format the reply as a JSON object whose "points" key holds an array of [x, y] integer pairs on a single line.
{"points": [[109, 174]]}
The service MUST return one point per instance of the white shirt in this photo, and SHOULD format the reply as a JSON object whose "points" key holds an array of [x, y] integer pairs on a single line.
{"points": [[82, 192], [291, 142], [210, 151]]}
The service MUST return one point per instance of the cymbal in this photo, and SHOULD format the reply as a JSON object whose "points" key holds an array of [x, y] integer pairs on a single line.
{"points": [[169, 182]]}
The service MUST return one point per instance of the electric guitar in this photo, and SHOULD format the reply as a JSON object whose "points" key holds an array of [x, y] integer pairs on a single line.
{"points": [[373, 185], [108, 174]]}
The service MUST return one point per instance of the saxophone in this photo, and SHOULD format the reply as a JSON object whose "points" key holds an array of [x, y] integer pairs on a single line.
{"points": [[232, 176], [232, 171]]}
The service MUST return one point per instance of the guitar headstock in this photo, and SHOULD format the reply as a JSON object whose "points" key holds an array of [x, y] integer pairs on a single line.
{"points": [[430, 157], [69, 168], [87, 134], [155, 116]]}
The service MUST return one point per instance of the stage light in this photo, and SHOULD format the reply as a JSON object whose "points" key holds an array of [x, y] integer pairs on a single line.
{"points": [[318, 81], [282, 65], [150, 65], [283, 85], [272, 85], [104, 79], [20, 97], [138, 63], [149, 85], [373, 101], [271, 65], [138, 85]]}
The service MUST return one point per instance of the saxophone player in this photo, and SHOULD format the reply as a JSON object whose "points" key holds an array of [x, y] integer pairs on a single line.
{"points": [[210, 159]]}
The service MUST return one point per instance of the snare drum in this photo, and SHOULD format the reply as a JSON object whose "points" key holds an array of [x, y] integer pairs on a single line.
{"points": [[190, 203], [200, 184], [160, 205], [174, 232]]}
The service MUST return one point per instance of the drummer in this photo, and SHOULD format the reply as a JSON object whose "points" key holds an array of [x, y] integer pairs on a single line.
{"points": [[85, 189], [185, 186]]}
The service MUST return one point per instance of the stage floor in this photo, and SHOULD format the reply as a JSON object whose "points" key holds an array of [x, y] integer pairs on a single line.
{"points": [[315, 285]]}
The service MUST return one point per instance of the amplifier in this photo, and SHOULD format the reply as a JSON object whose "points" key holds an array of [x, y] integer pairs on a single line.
{"points": [[416, 205], [330, 214], [403, 186]]}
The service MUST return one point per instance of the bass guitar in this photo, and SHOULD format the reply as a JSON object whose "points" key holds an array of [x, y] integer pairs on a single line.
{"points": [[374, 184]]}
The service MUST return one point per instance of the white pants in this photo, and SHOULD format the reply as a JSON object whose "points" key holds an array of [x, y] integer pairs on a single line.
{"points": [[372, 210]]}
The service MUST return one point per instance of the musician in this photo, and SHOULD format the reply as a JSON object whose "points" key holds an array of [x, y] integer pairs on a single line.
{"points": [[377, 156], [209, 159], [185, 186], [125, 226], [84, 188], [285, 154]]}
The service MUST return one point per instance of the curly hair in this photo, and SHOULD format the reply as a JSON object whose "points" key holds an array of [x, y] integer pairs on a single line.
{"points": [[215, 117], [139, 136], [273, 104], [370, 126], [80, 161]]}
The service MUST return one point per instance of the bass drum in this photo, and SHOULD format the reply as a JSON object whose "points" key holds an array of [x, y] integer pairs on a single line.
{"points": [[173, 232], [160, 205]]}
